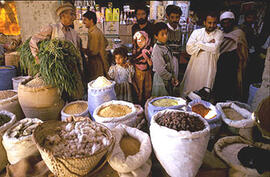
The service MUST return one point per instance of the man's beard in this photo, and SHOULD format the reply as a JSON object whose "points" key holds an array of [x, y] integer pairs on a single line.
{"points": [[142, 21], [210, 29]]}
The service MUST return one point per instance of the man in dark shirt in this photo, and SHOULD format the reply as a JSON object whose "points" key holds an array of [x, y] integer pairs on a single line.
{"points": [[143, 24], [173, 14]]}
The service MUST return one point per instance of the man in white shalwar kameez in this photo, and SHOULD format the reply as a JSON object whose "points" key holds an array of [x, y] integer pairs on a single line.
{"points": [[203, 46]]}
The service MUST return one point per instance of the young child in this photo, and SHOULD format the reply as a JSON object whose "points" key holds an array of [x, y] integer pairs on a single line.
{"points": [[164, 64], [122, 74], [143, 66]]}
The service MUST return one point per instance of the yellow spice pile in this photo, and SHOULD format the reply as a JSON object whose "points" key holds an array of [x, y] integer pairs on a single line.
{"points": [[114, 110]]}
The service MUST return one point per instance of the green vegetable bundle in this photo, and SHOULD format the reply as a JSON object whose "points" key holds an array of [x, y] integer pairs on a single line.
{"points": [[27, 60], [59, 63]]}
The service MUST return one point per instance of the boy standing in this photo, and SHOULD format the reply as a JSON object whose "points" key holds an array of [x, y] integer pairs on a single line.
{"points": [[164, 66]]}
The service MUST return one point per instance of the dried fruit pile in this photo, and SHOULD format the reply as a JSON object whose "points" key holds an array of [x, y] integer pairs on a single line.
{"points": [[180, 121]]}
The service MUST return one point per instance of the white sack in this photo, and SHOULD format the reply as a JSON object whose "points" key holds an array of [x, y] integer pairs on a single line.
{"points": [[19, 148], [138, 165], [179, 152]]}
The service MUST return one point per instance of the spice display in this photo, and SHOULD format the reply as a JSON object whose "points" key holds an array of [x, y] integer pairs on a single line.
{"points": [[77, 139], [36, 82], [4, 119], [200, 109], [180, 121], [114, 110], [24, 128], [76, 108], [59, 63], [232, 114], [165, 102], [129, 145], [7, 94], [101, 82]]}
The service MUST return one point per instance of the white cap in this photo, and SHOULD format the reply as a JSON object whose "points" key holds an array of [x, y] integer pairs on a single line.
{"points": [[226, 15]]}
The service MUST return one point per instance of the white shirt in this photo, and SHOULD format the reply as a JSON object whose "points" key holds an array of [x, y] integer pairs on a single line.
{"points": [[201, 69]]}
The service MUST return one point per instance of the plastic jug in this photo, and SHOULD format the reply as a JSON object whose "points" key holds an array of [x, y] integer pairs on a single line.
{"points": [[116, 14], [109, 14]]}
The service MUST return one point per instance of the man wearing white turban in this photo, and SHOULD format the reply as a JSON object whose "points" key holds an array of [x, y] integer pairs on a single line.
{"points": [[232, 61]]}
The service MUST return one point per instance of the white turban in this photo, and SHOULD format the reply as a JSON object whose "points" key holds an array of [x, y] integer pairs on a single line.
{"points": [[226, 15]]}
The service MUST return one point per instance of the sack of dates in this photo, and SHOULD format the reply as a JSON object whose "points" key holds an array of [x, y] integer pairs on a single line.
{"points": [[179, 141]]}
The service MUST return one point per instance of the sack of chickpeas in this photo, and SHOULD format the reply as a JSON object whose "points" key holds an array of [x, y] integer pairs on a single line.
{"points": [[131, 155], [17, 140], [179, 141]]}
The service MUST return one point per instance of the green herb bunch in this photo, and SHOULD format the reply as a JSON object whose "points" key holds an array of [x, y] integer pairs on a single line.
{"points": [[59, 63], [27, 60]]}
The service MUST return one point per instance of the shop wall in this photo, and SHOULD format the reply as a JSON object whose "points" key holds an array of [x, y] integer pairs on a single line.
{"points": [[33, 15]]}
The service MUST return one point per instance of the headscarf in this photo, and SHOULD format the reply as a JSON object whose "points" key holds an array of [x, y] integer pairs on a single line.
{"points": [[146, 50]]}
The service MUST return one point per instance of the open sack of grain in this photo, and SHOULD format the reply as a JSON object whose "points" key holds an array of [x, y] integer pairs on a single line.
{"points": [[17, 140], [239, 120], [208, 112], [76, 108], [7, 119], [165, 102], [9, 102], [179, 141], [38, 99], [73, 148], [131, 154], [100, 91], [116, 112], [245, 158]]}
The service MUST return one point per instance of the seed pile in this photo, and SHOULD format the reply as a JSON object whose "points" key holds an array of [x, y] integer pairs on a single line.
{"points": [[129, 145], [180, 121], [165, 102], [6, 94], [76, 108], [4, 119], [37, 82], [114, 110], [4, 67], [232, 114], [77, 139], [25, 128]]}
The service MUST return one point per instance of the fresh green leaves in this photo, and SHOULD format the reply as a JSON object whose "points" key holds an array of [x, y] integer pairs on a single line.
{"points": [[59, 63], [27, 60]]}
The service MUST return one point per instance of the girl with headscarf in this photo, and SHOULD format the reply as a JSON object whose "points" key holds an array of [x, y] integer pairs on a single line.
{"points": [[143, 66]]}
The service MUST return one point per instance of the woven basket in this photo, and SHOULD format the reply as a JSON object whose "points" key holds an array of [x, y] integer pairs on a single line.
{"points": [[231, 157], [68, 166], [262, 117]]}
